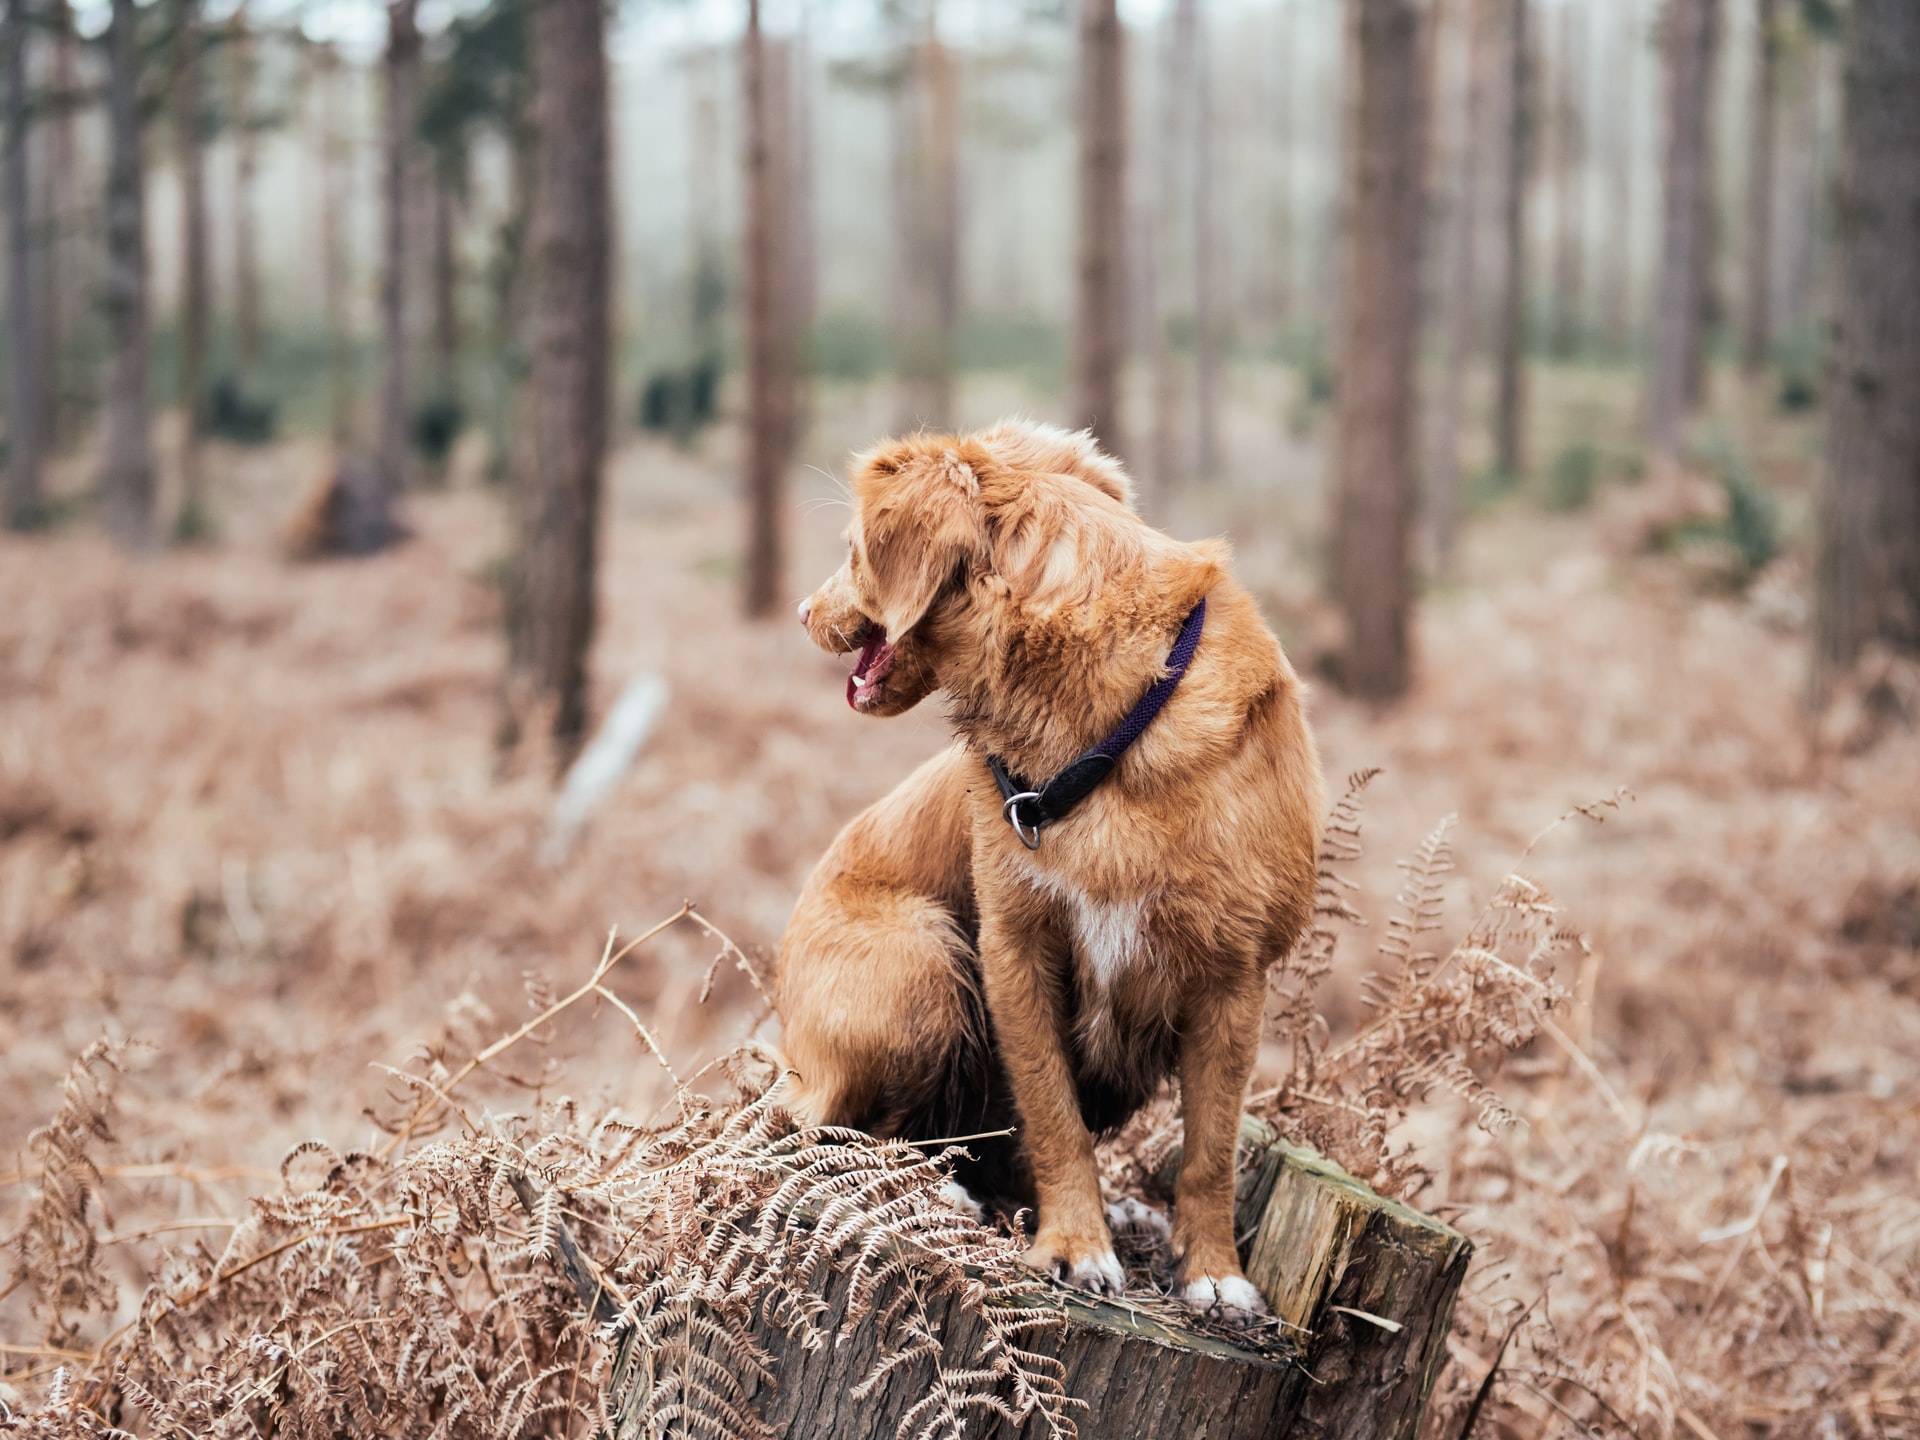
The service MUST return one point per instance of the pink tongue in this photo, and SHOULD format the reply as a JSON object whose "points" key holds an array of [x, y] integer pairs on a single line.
{"points": [[876, 641]]}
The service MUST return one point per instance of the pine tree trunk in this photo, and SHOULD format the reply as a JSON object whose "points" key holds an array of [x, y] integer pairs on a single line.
{"points": [[1569, 190], [403, 89], [1688, 45], [1459, 300], [446, 291], [23, 335], [1375, 400], [564, 412], [1509, 416], [190, 152], [62, 236], [1206, 318], [1285, 62], [1617, 307], [1756, 317], [246, 261], [769, 335], [927, 194], [330, 222], [126, 481], [1100, 306], [1176, 92], [1867, 572]]}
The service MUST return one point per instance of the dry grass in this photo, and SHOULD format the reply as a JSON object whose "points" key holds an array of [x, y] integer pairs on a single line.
{"points": [[248, 815]]}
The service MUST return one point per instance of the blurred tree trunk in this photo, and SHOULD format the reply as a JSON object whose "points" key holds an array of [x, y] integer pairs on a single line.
{"points": [[1687, 39], [61, 238], [333, 244], [1509, 415], [1617, 299], [927, 190], [562, 442], [246, 262], [1206, 318], [23, 335], [1805, 187], [769, 275], [190, 152], [1867, 572], [403, 92], [1176, 91], [1569, 188], [1285, 62], [1375, 398], [1100, 329], [1756, 317], [126, 481], [1458, 297]]}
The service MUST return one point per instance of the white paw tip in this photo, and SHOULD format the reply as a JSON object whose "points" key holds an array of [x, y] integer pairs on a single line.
{"points": [[1229, 1297], [1129, 1214], [956, 1196], [1098, 1274]]}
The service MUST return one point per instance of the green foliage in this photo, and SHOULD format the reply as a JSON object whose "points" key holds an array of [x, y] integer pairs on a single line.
{"points": [[682, 399], [1800, 357], [1752, 516], [1572, 478], [436, 425], [478, 80], [998, 341], [849, 345], [232, 411]]}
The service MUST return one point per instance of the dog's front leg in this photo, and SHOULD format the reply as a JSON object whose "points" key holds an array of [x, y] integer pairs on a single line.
{"points": [[1023, 964], [1217, 1044]]}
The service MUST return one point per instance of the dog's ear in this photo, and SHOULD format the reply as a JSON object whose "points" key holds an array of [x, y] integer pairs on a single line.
{"points": [[919, 518]]}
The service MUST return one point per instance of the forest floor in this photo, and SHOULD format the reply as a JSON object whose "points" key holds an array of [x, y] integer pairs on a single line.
{"points": [[251, 815]]}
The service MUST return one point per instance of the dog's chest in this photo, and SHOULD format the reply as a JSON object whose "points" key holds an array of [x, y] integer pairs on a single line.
{"points": [[1109, 937]]}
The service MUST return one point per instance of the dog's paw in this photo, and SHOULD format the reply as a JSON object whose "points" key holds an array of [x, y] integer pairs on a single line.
{"points": [[1093, 1268], [1128, 1216], [956, 1196], [1231, 1298]]}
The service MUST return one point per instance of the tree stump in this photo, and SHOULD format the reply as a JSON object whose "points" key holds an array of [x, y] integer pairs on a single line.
{"points": [[1364, 1284]]}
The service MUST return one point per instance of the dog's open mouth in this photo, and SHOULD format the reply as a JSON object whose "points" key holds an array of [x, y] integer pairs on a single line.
{"points": [[871, 669]]}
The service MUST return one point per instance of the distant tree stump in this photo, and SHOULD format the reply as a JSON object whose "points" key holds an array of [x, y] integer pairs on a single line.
{"points": [[1365, 1284]]}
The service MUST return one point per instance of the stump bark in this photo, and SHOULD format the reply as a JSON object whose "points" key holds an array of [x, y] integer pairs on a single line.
{"points": [[1364, 1284]]}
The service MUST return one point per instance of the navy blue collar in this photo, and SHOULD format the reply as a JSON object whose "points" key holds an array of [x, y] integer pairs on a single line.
{"points": [[1029, 809]]}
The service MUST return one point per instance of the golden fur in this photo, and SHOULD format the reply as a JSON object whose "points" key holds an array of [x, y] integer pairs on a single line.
{"points": [[937, 976]]}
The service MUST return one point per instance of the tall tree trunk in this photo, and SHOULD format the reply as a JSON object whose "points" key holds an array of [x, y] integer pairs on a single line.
{"points": [[1176, 93], [446, 284], [403, 90], [769, 304], [1206, 266], [1375, 399], [1688, 43], [62, 155], [126, 481], [1509, 415], [1100, 328], [1617, 307], [1458, 298], [190, 152], [1756, 317], [246, 262], [1803, 213], [1285, 66], [563, 431], [1867, 572], [1569, 189], [927, 181], [330, 221], [23, 334]]}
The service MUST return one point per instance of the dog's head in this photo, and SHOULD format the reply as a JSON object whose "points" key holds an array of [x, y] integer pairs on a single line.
{"points": [[923, 537]]}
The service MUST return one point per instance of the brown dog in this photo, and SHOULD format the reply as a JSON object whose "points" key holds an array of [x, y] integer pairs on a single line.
{"points": [[941, 978]]}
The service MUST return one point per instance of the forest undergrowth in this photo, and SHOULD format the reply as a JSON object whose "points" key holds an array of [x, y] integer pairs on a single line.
{"points": [[254, 852]]}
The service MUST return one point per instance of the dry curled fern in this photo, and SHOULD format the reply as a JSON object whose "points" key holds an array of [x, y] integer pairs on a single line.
{"points": [[1438, 1020], [562, 1271]]}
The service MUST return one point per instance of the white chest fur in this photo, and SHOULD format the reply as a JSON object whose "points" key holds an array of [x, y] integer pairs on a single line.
{"points": [[1108, 936]]}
